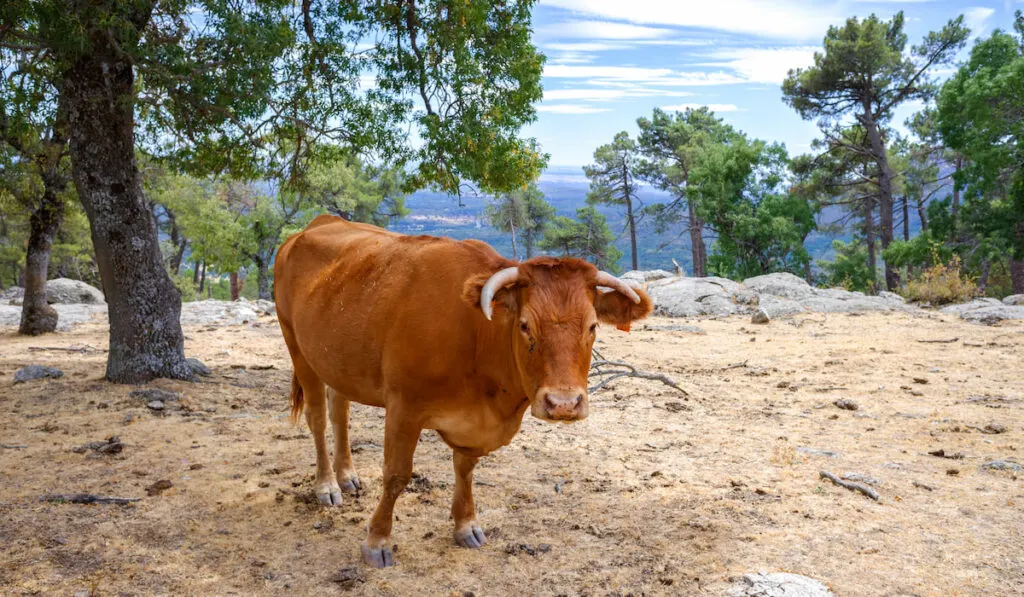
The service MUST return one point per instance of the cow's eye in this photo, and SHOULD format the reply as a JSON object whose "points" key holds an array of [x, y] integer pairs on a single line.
{"points": [[593, 328], [525, 327]]}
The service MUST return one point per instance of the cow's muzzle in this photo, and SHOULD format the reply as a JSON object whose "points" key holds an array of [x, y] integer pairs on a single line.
{"points": [[561, 404]]}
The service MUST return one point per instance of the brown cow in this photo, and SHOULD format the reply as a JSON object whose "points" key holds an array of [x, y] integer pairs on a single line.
{"points": [[446, 335]]}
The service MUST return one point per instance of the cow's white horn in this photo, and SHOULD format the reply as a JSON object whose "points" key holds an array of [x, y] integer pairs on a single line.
{"points": [[606, 279], [496, 282]]}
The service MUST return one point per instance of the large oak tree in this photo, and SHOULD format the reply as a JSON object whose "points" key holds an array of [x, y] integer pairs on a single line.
{"points": [[216, 85]]}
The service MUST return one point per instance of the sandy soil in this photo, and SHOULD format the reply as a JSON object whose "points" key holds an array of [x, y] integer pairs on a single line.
{"points": [[656, 494]]}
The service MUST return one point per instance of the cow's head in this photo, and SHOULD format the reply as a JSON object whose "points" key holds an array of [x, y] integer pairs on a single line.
{"points": [[552, 308]]}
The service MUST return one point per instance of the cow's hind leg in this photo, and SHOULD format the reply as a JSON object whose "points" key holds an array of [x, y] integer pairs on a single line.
{"points": [[346, 474], [467, 532], [325, 485], [401, 433]]}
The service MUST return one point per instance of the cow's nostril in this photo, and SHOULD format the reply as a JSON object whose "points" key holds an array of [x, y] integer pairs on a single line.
{"points": [[549, 404], [577, 400]]}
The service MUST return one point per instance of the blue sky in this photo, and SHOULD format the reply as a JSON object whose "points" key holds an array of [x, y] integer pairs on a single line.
{"points": [[612, 61]]}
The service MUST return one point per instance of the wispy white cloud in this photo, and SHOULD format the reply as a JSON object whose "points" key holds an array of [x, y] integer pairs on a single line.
{"points": [[712, 107], [975, 18], [792, 19], [605, 94], [571, 109], [892, 1], [601, 30], [633, 74], [763, 65], [585, 46]]}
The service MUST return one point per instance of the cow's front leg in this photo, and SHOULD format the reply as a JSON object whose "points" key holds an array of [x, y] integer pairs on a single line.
{"points": [[467, 532], [400, 437]]}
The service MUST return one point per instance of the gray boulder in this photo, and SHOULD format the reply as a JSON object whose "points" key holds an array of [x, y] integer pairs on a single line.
{"points": [[778, 584], [1014, 300], [775, 306], [782, 284], [63, 291], [694, 297], [260, 306], [210, 312], [647, 275], [985, 310], [36, 372], [67, 315], [12, 296]]}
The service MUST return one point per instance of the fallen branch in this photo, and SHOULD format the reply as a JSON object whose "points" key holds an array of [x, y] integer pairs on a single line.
{"points": [[87, 498], [80, 349], [616, 369], [950, 341], [734, 366], [871, 493], [13, 446]]}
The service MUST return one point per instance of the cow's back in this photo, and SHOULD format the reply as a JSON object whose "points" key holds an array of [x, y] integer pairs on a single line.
{"points": [[365, 306]]}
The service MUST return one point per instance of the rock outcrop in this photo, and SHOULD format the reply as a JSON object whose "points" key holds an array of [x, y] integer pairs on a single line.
{"points": [[778, 295]]}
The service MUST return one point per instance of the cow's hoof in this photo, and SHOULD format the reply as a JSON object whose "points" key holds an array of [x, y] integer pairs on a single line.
{"points": [[378, 557], [350, 483], [472, 537], [329, 495]]}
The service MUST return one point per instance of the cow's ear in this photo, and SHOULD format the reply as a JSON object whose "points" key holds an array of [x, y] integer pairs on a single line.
{"points": [[620, 310], [504, 298]]}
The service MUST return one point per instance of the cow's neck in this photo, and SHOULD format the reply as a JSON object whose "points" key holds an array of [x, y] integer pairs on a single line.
{"points": [[497, 361]]}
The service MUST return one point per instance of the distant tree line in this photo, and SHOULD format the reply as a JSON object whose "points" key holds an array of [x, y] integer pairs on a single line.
{"points": [[959, 172]]}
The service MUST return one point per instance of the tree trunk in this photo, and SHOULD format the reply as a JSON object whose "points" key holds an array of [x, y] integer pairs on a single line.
{"points": [[528, 242], [986, 268], [957, 164], [923, 216], [885, 202], [629, 216], [1017, 275], [869, 237], [236, 288], [698, 250], [263, 280], [179, 242], [146, 341], [515, 247], [906, 219], [37, 316], [202, 278]]}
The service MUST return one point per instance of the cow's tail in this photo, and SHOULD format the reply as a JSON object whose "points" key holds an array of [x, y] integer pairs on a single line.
{"points": [[298, 401]]}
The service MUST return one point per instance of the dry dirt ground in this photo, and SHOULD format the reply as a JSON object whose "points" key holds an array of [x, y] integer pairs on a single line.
{"points": [[655, 494]]}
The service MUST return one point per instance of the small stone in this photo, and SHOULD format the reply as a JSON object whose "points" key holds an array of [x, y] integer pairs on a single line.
{"points": [[845, 404], [760, 316], [1001, 465], [37, 372], [159, 487], [198, 367], [994, 428], [151, 394], [778, 584], [156, 405], [815, 452], [348, 577]]}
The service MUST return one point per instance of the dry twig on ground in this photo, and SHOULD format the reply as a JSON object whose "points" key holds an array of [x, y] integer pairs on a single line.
{"points": [[871, 493], [88, 498], [612, 370]]}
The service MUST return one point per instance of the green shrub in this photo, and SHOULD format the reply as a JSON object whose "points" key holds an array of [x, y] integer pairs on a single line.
{"points": [[941, 284]]}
